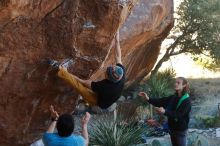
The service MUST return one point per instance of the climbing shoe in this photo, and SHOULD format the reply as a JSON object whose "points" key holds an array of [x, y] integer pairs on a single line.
{"points": [[53, 63]]}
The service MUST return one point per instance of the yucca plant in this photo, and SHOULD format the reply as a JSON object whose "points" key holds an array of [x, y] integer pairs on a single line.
{"points": [[167, 75], [157, 86], [162, 84], [119, 132]]}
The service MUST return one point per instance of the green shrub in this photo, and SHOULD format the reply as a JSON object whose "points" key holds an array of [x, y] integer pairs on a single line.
{"points": [[168, 75], [158, 86], [107, 132], [209, 121]]}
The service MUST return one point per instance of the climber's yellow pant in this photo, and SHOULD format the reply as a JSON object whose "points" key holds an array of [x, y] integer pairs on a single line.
{"points": [[88, 95]]}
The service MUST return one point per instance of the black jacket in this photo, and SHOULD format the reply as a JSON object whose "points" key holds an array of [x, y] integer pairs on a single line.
{"points": [[178, 119], [108, 92]]}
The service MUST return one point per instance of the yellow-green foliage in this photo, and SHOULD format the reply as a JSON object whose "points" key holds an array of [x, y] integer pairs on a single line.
{"points": [[107, 132], [157, 86], [210, 121]]}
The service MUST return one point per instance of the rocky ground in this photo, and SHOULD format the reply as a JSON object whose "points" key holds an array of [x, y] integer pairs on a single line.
{"points": [[205, 99]]}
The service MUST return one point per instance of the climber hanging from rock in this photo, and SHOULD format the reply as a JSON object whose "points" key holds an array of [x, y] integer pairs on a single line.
{"points": [[98, 93]]}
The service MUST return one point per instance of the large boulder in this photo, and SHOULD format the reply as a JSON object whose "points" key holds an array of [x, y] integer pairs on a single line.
{"points": [[31, 31], [141, 36]]}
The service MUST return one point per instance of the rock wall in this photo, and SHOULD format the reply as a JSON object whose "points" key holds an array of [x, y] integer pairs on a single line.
{"points": [[141, 36], [31, 31]]}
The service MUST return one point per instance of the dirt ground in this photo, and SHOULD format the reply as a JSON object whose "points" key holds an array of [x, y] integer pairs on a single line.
{"points": [[205, 95], [206, 100]]}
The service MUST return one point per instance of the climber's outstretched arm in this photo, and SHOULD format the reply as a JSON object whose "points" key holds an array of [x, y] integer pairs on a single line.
{"points": [[117, 49]]}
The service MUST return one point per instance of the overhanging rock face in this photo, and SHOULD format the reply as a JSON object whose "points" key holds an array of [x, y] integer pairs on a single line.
{"points": [[141, 36], [31, 31]]}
